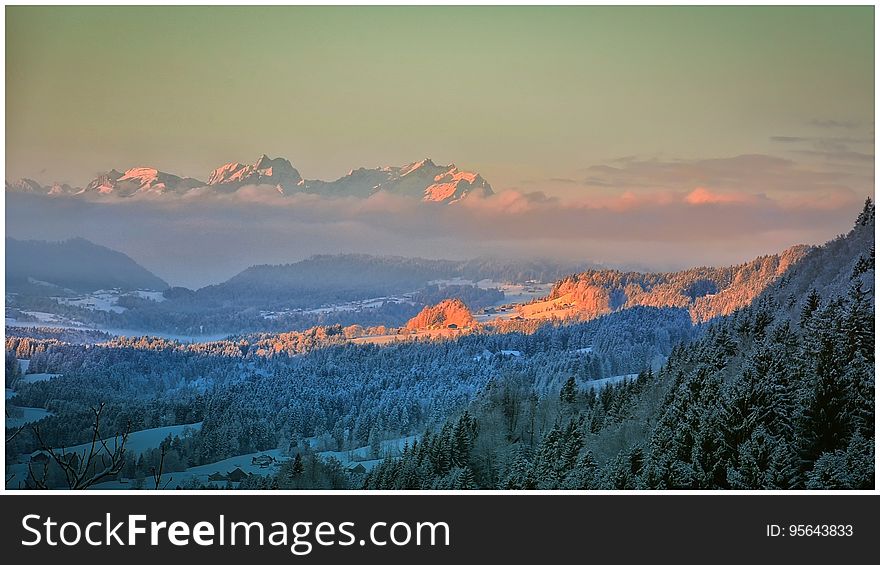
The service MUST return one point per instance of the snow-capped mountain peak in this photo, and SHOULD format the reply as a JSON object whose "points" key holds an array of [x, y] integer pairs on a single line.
{"points": [[421, 179], [24, 185], [424, 164], [226, 173], [278, 172], [140, 180], [454, 185]]}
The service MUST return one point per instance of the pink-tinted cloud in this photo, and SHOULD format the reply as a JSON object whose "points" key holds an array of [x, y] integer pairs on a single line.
{"points": [[701, 196]]}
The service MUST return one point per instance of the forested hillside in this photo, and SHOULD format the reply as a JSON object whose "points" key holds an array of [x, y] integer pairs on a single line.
{"points": [[707, 292], [327, 279], [41, 267], [251, 397], [777, 395], [448, 313]]}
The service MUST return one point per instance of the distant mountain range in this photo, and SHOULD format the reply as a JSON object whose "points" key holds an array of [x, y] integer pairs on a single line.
{"points": [[422, 179], [36, 268]]}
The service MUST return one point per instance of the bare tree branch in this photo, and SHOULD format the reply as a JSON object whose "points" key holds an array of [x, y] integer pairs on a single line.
{"points": [[157, 474], [15, 433], [82, 471]]}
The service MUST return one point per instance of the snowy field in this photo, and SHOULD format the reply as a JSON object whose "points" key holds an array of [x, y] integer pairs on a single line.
{"points": [[388, 448], [433, 333], [514, 296], [46, 320], [392, 448], [37, 377], [513, 293], [486, 354], [201, 473], [354, 306], [102, 300], [360, 305], [73, 325], [107, 300], [154, 295], [42, 319], [518, 293], [599, 383], [142, 440], [29, 416], [182, 338], [138, 442]]}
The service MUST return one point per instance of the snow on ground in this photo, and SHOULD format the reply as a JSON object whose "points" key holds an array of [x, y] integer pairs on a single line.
{"points": [[37, 377], [101, 300], [29, 415], [391, 447], [521, 293], [142, 440], [54, 322], [560, 307], [72, 325], [42, 317], [137, 443], [486, 354], [202, 472], [433, 333], [108, 300], [359, 305], [105, 300], [354, 306], [183, 338], [599, 383], [513, 294], [154, 295], [243, 462]]}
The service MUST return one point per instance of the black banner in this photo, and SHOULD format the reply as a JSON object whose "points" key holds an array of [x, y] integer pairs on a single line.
{"points": [[435, 529]]}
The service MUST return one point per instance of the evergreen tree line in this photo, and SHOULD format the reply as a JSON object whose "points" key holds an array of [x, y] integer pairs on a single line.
{"points": [[777, 395], [343, 397]]}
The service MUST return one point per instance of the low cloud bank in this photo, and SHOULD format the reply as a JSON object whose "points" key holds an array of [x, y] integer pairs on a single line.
{"points": [[204, 238]]}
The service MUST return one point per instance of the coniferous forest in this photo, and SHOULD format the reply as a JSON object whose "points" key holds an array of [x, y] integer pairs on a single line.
{"points": [[775, 392]]}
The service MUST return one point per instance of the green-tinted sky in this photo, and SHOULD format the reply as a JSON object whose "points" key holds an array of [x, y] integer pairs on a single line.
{"points": [[522, 94]]}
